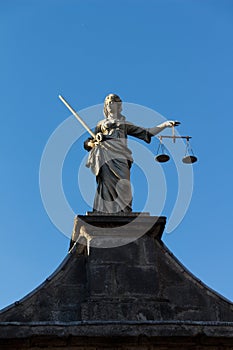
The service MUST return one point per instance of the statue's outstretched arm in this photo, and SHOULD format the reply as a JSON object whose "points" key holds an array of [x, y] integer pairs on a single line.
{"points": [[157, 129]]}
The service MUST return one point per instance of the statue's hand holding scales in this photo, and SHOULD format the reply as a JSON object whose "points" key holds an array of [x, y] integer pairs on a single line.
{"points": [[168, 124]]}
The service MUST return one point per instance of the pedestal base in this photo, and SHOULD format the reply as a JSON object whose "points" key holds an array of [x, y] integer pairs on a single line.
{"points": [[109, 231]]}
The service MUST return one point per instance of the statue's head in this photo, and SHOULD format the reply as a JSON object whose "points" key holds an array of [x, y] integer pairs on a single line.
{"points": [[112, 101]]}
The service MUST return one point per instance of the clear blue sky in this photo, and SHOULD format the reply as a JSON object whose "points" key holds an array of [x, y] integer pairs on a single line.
{"points": [[173, 56]]}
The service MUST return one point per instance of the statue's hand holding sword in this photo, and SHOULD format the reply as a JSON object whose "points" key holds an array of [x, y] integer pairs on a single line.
{"points": [[96, 138]]}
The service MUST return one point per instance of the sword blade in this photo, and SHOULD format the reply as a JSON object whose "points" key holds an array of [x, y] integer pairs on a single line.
{"points": [[81, 121]]}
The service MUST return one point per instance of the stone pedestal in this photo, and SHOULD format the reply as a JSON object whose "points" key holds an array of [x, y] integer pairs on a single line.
{"points": [[121, 265], [111, 231]]}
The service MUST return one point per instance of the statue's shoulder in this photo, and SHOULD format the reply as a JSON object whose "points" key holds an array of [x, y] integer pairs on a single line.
{"points": [[99, 125], [100, 122]]}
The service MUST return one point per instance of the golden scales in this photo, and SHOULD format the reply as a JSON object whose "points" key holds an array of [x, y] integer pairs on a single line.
{"points": [[163, 157]]}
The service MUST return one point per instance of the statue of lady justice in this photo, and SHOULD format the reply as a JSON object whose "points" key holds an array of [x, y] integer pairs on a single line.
{"points": [[110, 159]]}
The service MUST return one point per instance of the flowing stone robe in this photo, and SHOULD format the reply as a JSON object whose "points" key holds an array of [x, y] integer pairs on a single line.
{"points": [[111, 161]]}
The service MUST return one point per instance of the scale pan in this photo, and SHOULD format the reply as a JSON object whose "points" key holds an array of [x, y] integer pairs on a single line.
{"points": [[189, 159], [162, 158]]}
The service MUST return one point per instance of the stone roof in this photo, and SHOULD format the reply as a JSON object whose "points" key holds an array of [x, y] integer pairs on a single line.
{"points": [[131, 287]]}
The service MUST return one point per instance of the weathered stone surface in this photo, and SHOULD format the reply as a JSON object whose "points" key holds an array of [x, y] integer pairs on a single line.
{"points": [[133, 296]]}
